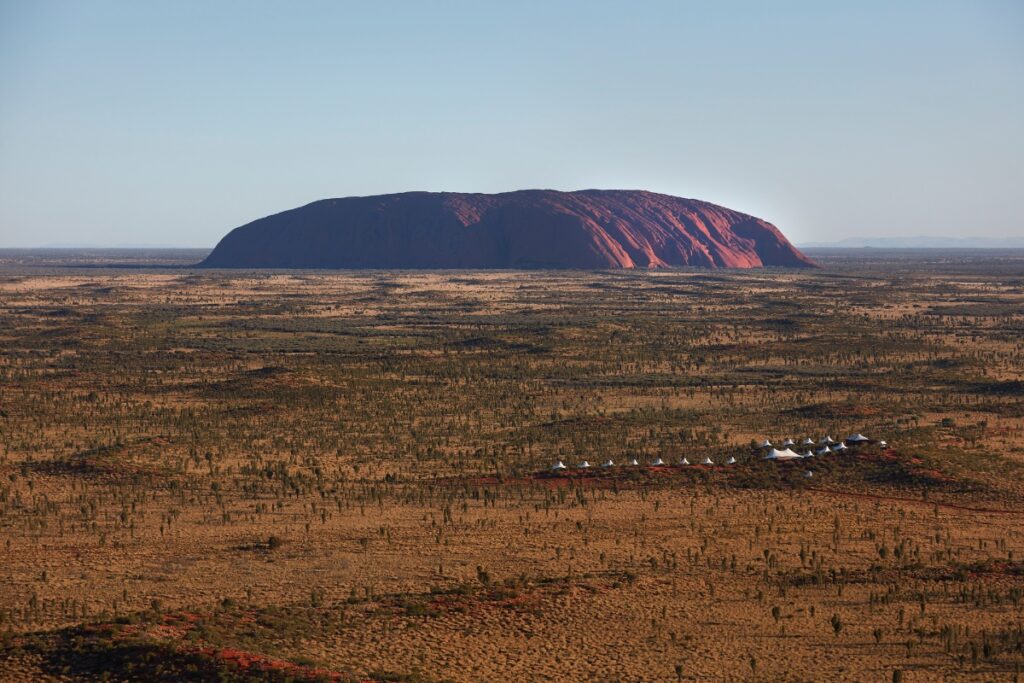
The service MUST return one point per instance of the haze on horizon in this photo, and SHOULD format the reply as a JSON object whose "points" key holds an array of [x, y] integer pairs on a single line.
{"points": [[172, 123]]}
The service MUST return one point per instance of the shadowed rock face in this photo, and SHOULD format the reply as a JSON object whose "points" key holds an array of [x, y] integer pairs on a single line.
{"points": [[590, 229]]}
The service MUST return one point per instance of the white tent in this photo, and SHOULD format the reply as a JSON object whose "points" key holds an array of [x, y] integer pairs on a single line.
{"points": [[788, 442], [766, 444], [609, 463], [827, 441], [707, 461], [857, 438], [808, 474], [658, 462], [823, 451], [883, 444], [730, 461], [808, 454], [807, 442], [684, 461], [558, 466], [633, 462], [776, 454], [839, 448], [584, 465]]}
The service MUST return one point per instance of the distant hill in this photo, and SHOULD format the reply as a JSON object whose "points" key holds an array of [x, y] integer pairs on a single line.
{"points": [[920, 242], [590, 229]]}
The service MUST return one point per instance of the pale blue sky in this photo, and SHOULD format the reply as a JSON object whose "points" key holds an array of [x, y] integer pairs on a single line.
{"points": [[173, 121]]}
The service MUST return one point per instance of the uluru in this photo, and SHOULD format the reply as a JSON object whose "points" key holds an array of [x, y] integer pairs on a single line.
{"points": [[586, 229]]}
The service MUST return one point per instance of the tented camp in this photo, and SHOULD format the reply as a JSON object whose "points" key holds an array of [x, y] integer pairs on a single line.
{"points": [[808, 474], [825, 446], [776, 454]]}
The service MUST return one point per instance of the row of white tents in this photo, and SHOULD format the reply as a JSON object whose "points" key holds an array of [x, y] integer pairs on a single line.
{"points": [[658, 462], [827, 445]]}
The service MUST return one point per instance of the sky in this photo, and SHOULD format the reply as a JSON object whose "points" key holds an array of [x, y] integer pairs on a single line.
{"points": [[170, 122]]}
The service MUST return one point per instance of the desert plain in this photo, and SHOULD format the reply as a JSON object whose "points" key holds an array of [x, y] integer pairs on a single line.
{"points": [[311, 475]]}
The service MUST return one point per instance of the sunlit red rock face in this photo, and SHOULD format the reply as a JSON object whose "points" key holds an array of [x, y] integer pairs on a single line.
{"points": [[590, 229]]}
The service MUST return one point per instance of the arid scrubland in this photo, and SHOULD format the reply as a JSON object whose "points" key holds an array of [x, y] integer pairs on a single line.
{"points": [[344, 476]]}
